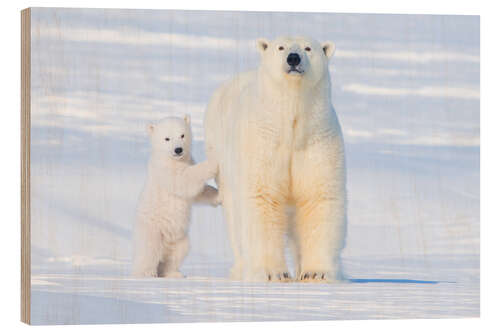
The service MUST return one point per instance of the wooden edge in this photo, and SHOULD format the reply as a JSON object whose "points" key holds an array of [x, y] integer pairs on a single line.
{"points": [[25, 165]]}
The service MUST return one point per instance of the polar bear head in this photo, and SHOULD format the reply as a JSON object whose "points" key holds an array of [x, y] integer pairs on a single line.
{"points": [[171, 136], [295, 59]]}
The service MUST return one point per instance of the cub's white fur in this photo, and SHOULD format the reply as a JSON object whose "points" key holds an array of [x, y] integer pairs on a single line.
{"points": [[173, 183], [278, 143]]}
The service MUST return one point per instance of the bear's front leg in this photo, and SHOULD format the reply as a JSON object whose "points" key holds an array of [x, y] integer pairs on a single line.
{"points": [[233, 230], [265, 246], [319, 192], [320, 233]]}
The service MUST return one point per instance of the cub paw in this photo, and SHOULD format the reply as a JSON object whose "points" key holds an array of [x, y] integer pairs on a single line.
{"points": [[217, 200], [174, 275], [150, 273]]}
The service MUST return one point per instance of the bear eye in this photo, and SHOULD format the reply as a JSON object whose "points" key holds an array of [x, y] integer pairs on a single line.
{"points": [[308, 49], [182, 136], [167, 139], [281, 48]]}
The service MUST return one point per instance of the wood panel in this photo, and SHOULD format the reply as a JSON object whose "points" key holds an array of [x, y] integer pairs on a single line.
{"points": [[25, 165]]}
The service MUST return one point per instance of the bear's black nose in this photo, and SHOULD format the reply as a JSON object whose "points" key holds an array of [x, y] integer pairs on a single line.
{"points": [[178, 150], [293, 59]]}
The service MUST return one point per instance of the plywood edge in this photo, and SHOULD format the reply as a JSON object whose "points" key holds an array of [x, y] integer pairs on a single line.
{"points": [[25, 165]]}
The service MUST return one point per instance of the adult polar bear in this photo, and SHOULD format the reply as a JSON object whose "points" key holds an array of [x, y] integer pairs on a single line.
{"points": [[278, 142]]}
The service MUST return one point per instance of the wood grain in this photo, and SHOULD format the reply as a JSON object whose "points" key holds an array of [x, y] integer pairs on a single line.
{"points": [[25, 165]]}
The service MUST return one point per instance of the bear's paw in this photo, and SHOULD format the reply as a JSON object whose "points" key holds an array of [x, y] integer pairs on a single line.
{"points": [[319, 277]]}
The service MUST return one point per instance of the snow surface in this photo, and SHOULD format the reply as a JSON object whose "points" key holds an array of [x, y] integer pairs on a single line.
{"points": [[406, 90]]}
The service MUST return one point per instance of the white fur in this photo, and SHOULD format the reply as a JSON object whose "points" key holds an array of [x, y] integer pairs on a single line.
{"points": [[278, 143], [163, 213]]}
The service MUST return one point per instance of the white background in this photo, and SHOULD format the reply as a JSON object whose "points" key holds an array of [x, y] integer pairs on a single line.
{"points": [[489, 163]]}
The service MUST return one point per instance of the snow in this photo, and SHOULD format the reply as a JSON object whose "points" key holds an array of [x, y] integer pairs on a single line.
{"points": [[98, 298], [406, 89]]}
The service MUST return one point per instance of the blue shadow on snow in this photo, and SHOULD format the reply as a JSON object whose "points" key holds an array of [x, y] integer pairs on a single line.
{"points": [[391, 281]]}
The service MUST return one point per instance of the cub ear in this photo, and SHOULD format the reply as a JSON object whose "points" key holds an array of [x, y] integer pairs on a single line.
{"points": [[150, 128], [328, 49], [187, 119], [262, 44]]}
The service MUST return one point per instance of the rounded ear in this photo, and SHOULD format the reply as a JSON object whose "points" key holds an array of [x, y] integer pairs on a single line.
{"points": [[187, 119], [262, 44], [328, 49], [150, 128]]}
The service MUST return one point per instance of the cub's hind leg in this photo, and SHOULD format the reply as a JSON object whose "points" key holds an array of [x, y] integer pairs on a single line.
{"points": [[147, 252], [174, 255]]}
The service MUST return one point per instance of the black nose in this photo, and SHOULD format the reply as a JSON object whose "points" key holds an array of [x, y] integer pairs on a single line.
{"points": [[178, 150], [293, 59]]}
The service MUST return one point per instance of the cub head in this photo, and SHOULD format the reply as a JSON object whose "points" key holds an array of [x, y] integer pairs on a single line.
{"points": [[295, 58], [171, 136]]}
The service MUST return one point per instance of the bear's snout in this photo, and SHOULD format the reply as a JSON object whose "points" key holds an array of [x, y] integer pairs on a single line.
{"points": [[293, 59], [178, 150]]}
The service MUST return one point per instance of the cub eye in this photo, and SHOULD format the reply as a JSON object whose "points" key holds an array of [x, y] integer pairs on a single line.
{"points": [[281, 48], [167, 139], [308, 49], [182, 136]]}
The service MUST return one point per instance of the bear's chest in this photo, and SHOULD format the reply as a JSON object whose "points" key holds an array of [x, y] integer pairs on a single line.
{"points": [[286, 125]]}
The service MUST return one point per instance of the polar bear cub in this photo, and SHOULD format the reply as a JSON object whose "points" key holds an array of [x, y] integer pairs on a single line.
{"points": [[173, 183]]}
